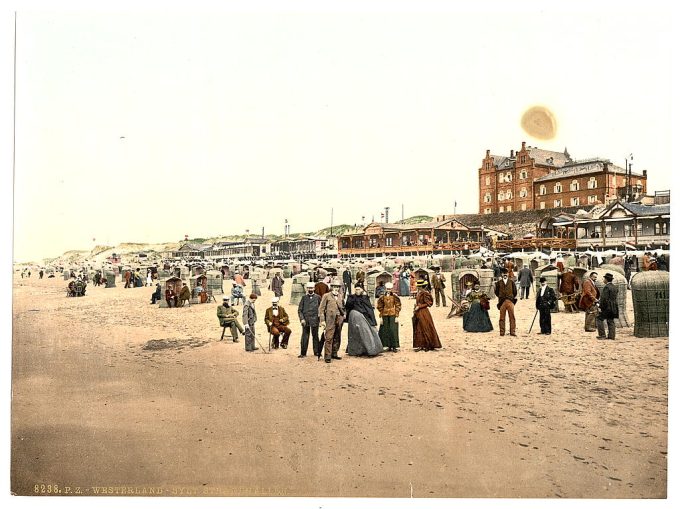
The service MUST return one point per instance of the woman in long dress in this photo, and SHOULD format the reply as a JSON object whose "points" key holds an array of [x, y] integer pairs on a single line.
{"points": [[476, 319], [362, 335], [405, 282], [425, 335]]}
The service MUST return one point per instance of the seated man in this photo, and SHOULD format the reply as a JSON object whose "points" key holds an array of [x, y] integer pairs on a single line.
{"points": [[277, 322], [71, 290], [237, 294], [156, 295], [228, 317], [184, 295], [171, 297]]}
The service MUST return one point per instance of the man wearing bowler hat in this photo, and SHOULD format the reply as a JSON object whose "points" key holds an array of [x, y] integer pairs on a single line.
{"points": [[545, 301], [609, 309]]}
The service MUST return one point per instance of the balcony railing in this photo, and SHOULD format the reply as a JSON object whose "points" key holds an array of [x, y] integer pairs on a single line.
{"points": [[535, 243], [427, 248]]}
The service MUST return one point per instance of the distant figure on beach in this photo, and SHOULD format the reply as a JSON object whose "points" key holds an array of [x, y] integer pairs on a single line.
{"points": [[170, 297], [590, 296], [439, 284], [41, 273], [525, 279], [149, 279], [609, 309], [545, 301], [184, 295], [506, 291], [389, 307], [237, 294], [405, 282], [425, 335], [361, 279], [127, 276], [155, 296], [569, 285], [277, 285], [249, 319], [347, 277]]}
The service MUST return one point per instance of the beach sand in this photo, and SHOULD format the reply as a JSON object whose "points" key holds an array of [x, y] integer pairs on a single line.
{"points": [[553, 416]]}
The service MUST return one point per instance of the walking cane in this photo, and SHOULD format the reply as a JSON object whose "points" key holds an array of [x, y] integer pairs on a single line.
{"points": [[261, 347], [532, 322]]}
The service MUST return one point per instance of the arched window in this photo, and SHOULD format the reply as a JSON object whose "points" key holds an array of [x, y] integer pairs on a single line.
{"points": [[501, 196], [592, 183], [558, 188], [664, 228], [523, 174], [542, 190], [487, 198], [508, 194], [523, 192], [657, 229], [574, 185]]}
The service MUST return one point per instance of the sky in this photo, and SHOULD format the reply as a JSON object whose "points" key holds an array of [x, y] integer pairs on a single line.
{"points": [[148, 125]]}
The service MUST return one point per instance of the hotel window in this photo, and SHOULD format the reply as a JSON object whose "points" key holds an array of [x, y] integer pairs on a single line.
{"points": [[523, 192], [557, 203], [501, 209], [523, 159], [575, 202], [558, 188], [627, 230], [501, 196], [500, 178], [592, 199], [524, 206], [487, 198], [508, 177], [508, 194], [487, 211], [542, 205], [389, 241], [574, 185], [664, 229], [608, 230], [488, 180], [638, 229], [592, 183], [541, 190], [509, 209], [657, 229], [523, 174]]}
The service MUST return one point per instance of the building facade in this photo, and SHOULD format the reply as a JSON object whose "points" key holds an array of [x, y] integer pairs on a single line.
{"points": [[533, 179]]}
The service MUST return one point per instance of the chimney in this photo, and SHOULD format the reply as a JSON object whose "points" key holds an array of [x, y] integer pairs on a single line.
{"points": [[488, 152], [605, 166], [512, 153], [644, 173], [524, 145]]}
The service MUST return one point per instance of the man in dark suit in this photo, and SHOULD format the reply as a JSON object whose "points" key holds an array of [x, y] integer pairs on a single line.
{"points": [[545, 301], [609, 309]]}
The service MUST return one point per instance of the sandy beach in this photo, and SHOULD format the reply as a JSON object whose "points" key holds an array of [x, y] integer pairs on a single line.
{"points": [[94, 412]]}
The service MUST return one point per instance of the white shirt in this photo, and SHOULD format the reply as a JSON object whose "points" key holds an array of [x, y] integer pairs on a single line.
{"points": [[543, 287]]}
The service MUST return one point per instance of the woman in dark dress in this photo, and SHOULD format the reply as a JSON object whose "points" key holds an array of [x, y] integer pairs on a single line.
{"points": [[362, 334], [425, 336], [476, 319]]}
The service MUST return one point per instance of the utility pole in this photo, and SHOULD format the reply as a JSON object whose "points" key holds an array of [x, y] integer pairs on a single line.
{"points": [[331, 221], [387, 214]]}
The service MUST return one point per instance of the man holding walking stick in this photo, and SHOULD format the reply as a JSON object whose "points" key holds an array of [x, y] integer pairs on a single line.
{"points": [[545, 301]]}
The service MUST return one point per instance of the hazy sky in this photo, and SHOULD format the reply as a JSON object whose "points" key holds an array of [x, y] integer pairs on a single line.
{"points": [[146, 126]]}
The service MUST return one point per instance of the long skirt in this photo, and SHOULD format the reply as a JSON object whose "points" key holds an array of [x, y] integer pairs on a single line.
{"points": [[477, 319], [404, 287], [389, 332], [362, 338], [424, 334]]}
